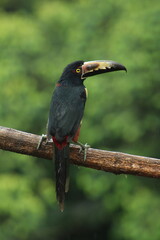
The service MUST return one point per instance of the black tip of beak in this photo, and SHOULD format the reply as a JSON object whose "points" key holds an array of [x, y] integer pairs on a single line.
{"points": [[119, 67]]}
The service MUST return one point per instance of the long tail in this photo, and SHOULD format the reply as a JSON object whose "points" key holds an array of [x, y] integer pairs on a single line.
{"points": [[61, 170]]}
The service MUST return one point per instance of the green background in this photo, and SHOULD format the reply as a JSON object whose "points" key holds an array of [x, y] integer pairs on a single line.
{"points": [[38, 38]]}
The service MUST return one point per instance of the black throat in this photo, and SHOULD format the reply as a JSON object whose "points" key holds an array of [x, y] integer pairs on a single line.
{"points": [[70, 80]]}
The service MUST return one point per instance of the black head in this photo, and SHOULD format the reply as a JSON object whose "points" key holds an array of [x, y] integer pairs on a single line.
{"points": [[76, 72], [72, 74]]}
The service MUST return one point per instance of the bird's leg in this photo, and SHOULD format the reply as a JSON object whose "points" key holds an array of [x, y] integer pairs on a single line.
{"points": [[42, 139], [84, 148]]}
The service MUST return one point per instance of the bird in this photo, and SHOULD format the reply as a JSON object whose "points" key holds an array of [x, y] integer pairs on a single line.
{"points": [[66, 113]]}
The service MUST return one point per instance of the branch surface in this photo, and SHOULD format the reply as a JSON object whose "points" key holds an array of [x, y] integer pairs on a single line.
{"points": [[115, 162]]}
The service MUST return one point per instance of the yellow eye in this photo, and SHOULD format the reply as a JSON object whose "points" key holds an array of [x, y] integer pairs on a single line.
{"points": [[78, 70]]}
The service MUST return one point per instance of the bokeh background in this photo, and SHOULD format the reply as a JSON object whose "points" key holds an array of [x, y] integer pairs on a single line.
{"points": [[38, 38]]}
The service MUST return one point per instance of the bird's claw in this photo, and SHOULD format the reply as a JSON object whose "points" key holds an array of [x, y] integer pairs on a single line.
{"points": [[84, 148], [42, 139]]}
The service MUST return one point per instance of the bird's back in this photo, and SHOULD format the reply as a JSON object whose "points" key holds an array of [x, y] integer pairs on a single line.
{"points": [[66, 111]]}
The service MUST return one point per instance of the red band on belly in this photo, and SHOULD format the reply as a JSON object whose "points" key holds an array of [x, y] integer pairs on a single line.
{"points": [[60, 145]]}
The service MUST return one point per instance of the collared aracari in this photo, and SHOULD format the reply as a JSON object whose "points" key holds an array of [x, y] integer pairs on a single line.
{"points": [[66, 112]]}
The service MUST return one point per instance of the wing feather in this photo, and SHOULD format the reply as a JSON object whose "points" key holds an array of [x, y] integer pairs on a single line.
{"points": [[66, 112]]}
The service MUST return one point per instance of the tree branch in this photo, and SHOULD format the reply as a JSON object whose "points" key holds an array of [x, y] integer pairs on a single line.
{"points": [[115, 162]]}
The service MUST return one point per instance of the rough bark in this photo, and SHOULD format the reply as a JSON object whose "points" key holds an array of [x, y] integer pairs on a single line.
{"points": [[115, 162]]}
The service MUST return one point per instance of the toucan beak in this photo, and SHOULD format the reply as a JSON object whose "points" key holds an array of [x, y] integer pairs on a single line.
{"points": [[92, 68]]}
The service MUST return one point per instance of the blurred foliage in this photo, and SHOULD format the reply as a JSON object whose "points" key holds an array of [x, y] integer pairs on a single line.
{"points": [[37, 40]]}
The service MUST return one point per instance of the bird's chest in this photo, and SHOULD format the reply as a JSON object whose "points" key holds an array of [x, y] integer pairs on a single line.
{"points": [[74, 95], [84, 94]]}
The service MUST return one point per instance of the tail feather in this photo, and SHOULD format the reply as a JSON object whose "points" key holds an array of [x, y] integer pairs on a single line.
{"points": [[61, 170], [67, 168]]}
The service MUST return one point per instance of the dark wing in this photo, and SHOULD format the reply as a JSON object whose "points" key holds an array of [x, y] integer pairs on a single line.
{"points": [[66, 112]]}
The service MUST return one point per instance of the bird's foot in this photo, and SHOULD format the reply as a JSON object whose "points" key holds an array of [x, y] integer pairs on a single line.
{"points": [[42, 139], [83, 148]]}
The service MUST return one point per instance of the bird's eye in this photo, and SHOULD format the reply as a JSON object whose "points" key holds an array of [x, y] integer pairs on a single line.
{"points": [[78, 70]]}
